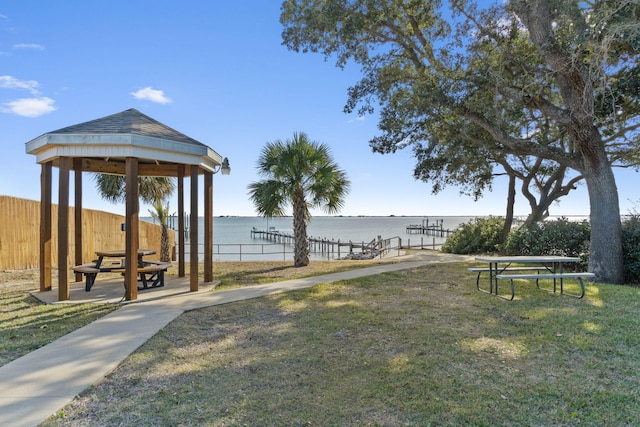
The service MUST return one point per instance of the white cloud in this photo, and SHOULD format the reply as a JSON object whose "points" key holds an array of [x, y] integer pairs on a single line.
{"points": [[358, 119], [9, 82], [30, 107], [150, 94], [28, 46]]}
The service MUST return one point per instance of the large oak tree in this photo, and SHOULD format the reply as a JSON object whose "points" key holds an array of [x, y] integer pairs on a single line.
{"points": [[430, 64]]}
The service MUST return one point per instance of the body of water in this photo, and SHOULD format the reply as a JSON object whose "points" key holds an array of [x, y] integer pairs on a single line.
{"points": [[231, 232], [345, 229], [232, 235]]}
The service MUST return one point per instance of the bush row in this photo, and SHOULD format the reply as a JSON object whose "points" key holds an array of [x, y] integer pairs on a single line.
{"points": [[558, 237]]}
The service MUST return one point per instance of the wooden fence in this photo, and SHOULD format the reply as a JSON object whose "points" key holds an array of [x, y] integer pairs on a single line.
{"points": [[20, 234]]}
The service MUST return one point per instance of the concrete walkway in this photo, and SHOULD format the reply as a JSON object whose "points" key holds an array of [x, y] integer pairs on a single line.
{"points": [[39, 384]]}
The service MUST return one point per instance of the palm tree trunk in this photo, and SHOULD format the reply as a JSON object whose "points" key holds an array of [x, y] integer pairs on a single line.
{"points": [[301, 242], [165, 250]]}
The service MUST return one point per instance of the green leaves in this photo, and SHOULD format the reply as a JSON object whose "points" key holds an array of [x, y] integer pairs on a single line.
{"points": [[481, 67], [298, 166], [151, 189], [302, 174]]}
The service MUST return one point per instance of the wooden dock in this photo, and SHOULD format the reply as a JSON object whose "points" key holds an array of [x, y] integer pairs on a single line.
{"points": [[327, 247], [432, 229]]}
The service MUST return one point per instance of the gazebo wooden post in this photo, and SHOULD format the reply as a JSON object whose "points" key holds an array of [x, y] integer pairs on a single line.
{"points": [[208, 226], [131, 230], [45, 227], [77, 174], [193, 232], [181, 171], [63, 229]]}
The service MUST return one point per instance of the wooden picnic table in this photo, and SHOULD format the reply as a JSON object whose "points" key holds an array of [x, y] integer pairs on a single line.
{"points": [[151, 272], [121, 253]]}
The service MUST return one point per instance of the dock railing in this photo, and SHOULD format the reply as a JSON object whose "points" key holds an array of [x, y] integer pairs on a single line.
{"points": [[395, 245], [422, 245], [321, 248]]}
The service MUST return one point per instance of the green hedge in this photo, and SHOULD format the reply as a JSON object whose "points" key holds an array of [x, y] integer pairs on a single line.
{"points": [[480, 235], [560, 237], [631, 248]]}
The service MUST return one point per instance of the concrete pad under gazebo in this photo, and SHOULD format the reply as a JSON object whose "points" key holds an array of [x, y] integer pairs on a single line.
{"points": [[132, 144]]}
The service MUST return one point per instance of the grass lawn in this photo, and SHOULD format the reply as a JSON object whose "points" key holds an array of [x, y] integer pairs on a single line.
{"points": [[417, 347], [27, 324]]}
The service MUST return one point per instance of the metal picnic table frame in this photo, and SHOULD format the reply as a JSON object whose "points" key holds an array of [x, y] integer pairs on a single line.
{"points": [[554, 264]]}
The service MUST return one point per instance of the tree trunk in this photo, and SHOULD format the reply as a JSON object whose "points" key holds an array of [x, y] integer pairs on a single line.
{"points": [[575, 85], [511, 200], [301, 242], [165, 250], [605, 254], [539, 212]]}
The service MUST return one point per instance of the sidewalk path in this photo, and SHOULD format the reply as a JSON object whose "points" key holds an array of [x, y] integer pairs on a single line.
{"points": [[39, 384]]}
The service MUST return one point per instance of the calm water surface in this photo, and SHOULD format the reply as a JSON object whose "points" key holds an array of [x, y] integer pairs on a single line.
{"points": [[236, 231], [231, 232]]}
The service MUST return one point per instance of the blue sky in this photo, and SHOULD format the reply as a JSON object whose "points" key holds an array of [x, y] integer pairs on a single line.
{"points": [[217, 72]]}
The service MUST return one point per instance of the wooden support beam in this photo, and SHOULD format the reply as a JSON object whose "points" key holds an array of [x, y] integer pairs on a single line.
{"points": [[193, 232], [63, 229], [208, 226], [77, 174], [131, 232], [45, 227], [114, 167], [181, 230]]}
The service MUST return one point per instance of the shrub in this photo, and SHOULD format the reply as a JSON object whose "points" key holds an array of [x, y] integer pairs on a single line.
{"points": [[560, 237], [631, 248], [480, 235]]}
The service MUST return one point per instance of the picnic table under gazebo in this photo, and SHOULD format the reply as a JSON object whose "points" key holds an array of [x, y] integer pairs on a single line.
{"points": [[132, 144]]}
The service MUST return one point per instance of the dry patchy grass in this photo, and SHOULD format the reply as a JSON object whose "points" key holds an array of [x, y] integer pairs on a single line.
{"points": [[417, 347], [27, 324], [234, 274]]}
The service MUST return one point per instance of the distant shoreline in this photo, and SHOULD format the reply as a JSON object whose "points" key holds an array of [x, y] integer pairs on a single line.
{"points": [[402, 216]]}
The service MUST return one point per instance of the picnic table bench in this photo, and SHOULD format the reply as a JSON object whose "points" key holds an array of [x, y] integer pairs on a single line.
{"points": [[481, 270], [554, 276], [151, 272]]}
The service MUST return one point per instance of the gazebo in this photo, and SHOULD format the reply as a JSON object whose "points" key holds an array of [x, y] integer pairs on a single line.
{"points": [[132, 144]]}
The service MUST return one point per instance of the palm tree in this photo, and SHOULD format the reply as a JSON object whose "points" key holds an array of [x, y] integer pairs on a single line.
{"points": [[160, 213], [152, 190], [300, 173]]}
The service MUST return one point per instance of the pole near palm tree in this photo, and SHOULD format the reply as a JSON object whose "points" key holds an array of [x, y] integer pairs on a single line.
{"points": [[300, 173]]}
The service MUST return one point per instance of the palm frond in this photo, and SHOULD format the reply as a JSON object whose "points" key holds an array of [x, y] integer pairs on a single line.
{"points": [[151, 189]]}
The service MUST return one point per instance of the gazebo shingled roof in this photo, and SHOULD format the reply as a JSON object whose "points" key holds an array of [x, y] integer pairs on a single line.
{"points": [[129, 121], [132, 144], [104, 144]]}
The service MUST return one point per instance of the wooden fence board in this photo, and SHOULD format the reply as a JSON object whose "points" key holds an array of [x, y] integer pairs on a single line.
{"points": [[20, 234]]}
